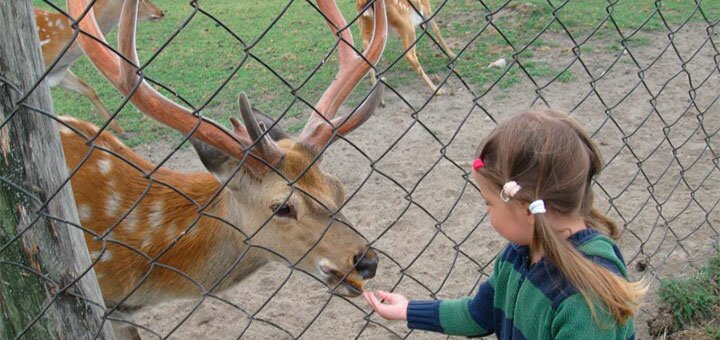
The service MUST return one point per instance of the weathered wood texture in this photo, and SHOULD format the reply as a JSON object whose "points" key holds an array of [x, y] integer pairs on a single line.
{"points": [[56, 305]]}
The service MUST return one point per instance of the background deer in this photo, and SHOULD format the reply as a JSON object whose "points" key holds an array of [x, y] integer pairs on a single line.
{"points": [[156, 234], [403, 16], [55, 34]]}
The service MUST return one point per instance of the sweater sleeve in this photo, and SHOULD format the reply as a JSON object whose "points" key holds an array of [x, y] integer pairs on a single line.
{"points": [[464, 316]]}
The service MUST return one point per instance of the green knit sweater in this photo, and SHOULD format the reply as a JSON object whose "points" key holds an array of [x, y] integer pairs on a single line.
{"points": [[528, 302]]}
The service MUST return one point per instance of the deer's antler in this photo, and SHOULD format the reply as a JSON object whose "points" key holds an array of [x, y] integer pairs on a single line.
{"points": [[124, 75], [321, 128]]}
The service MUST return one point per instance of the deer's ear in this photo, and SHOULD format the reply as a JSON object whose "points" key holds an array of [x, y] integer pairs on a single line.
{"points": [[276, 133], [218, 163]]}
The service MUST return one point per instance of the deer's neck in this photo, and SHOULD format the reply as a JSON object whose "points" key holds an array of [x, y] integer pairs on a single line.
{"points": [[218, 238]]}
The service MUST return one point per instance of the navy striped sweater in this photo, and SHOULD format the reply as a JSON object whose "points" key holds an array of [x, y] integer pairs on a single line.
{"points": [[528, 302]]}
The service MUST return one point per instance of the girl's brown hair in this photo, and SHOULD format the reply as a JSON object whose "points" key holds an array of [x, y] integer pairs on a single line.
{"points": [[552, 158]]}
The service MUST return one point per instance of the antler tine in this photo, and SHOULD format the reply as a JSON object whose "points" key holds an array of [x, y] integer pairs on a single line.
{"points": [[257, 131], [325, 133], [352, 69], [125, 78]]}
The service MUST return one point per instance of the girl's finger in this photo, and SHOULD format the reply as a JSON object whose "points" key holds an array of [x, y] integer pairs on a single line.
{"points": [[365, 297], [371, 299], [389, 297]]}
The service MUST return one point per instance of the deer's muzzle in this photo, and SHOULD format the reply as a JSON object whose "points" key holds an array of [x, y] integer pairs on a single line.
{"points": [[366, 263]]}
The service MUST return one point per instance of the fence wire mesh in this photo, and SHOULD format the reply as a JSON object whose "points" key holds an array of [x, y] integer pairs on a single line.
{"points": [[644, 84]]}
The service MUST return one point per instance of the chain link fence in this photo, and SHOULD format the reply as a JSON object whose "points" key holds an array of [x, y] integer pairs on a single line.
{"points": [[644, 85]]}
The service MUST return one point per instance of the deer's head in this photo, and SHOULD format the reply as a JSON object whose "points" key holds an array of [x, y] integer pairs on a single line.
{"points": [[149, 11], [279, 196], [290, 206]]}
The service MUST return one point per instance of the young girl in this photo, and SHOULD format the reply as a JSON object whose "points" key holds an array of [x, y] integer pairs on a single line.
{"points": [[561, 276]]}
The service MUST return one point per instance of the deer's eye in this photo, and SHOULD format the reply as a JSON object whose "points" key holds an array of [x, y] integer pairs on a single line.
{"points": [[283, 210]]}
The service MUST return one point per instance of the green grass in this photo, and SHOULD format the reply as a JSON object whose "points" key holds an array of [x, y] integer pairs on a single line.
{"points": [[695, 301], [204, 55]]}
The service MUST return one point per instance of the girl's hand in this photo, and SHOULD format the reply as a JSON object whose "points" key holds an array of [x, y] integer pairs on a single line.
{"points": [[394, 308]]}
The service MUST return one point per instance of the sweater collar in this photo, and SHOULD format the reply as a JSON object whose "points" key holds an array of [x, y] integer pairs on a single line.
{"points": [[581, 237]]}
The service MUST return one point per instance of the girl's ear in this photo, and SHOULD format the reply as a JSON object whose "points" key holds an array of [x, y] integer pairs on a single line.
{"points": [[522, 211], [530, 218]]}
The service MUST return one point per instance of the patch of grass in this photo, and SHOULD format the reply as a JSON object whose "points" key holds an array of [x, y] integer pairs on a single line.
{"points": [[273, 59], [508, 81], [638, 41], [566, 77], [692, 299], [538, 70], [295, 127], [613, 47], [695, 301], [713, 331], [519, 22]]}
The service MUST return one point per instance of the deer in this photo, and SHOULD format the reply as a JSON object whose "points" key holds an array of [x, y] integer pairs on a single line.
{"points": [[155, 234], [55, 33], [403, 16]]}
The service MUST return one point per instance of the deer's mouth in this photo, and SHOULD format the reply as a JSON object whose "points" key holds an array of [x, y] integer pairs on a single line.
{"points": [[350, 285], [152, 17]]}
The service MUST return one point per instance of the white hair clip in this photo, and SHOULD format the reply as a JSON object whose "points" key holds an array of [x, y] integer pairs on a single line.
{"points": [[537, 207], [509, 190]]}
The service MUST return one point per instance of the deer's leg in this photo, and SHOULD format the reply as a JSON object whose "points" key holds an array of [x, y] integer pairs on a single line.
{"points": [[442, 42], [366, 29], [124, 330], [407, 33], [426, 9], [71, 82]]}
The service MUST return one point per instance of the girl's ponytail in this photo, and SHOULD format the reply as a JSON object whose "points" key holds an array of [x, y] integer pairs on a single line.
{"points": [[598, 286]]}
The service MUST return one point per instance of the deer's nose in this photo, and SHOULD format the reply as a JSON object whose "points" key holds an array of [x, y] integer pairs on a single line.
{"points": [[366, 263]]}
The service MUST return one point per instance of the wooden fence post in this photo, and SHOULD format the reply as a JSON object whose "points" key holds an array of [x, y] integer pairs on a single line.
{"points": [[46, 289]]}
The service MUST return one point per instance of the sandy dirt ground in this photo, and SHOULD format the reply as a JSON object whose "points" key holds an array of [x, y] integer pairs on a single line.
{"points": [[655, 120]]}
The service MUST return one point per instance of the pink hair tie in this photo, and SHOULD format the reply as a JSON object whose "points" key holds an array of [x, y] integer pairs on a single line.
{"points": [[477, 164], [509, 190]]}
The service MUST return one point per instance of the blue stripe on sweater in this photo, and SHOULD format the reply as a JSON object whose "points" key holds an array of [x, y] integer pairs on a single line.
{"points": [[479, 306], [425, 315], [607, 264], [506, 324]]}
